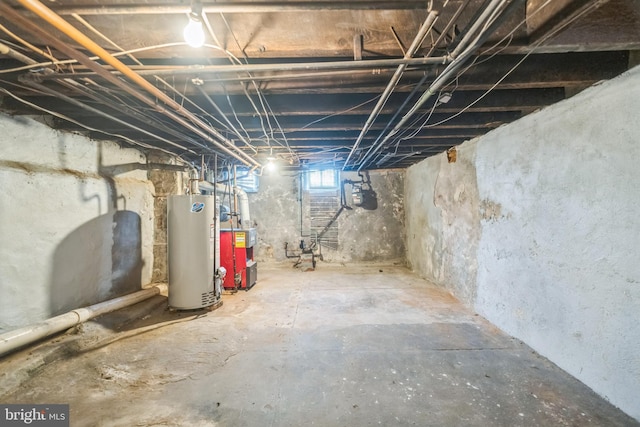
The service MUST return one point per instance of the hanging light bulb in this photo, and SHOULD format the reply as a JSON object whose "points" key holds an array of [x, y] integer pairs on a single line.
{"points": [[193, 32], [271, 161], [271, 164]]}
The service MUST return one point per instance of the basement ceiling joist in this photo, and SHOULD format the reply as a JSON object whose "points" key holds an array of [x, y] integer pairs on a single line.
{"points": [[304, 80]]}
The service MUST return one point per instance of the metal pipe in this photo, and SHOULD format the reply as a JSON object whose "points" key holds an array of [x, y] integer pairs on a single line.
{"points": [[4, 49], [49, 16], [417, 87], [447, 27], [451, 69], [10, 52], [79, 56], [225, 118], [134, 59], [476, 25], [458, 62], [132, 112], [258, 68], [89, 108], [415, 45], [13, 340], [243, 7]]}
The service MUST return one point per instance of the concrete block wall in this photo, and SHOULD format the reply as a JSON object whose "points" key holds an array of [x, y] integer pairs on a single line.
{"points": [[536, 227], [364, 235], [74, 230]]}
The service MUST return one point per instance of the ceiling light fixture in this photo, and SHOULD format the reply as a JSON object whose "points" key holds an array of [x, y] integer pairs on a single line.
{"points": [[193, 32]]}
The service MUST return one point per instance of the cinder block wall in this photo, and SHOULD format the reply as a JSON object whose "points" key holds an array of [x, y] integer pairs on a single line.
{"points": [[536, 226], [75, 228]]}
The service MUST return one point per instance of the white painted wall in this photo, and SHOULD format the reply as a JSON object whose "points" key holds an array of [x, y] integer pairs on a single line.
{"points": [[557, 221], [71, 232]]}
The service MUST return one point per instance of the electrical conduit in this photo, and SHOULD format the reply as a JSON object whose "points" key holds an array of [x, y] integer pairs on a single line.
{"points": [[500, 9], [415, 45]]}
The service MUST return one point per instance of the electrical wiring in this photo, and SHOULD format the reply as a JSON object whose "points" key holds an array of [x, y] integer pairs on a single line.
{"points": [[268, 111], [26, 43], [508, 36], [529, 53], [355, 107], [71, 84], [170, 87], [69, 119], [252, 81], [129, 54], [417, 131], [102, 95], [235, 115], [461, 53], [95, 58], [284, 136], [234, 60]]}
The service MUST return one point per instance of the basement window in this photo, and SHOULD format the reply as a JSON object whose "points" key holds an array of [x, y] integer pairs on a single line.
{"points": [[326, 179]]}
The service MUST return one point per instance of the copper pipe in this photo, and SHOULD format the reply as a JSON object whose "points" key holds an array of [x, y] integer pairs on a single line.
{"points": [[52, 18]]}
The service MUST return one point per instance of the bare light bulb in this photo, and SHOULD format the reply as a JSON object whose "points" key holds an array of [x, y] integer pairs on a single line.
{"points": [[193, 33], [271, 165]]}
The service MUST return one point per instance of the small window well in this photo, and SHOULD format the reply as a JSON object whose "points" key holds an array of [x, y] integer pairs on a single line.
{"points": [[326, 179]]}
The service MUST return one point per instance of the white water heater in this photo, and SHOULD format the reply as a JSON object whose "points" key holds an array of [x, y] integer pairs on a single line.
{"points": [[193, 251]]}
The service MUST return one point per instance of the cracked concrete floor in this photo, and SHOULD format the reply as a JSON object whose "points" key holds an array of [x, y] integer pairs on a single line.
{"points": [[341, 346]]}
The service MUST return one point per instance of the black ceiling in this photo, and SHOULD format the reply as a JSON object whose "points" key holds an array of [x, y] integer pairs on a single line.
{"points": [[307, 82]]}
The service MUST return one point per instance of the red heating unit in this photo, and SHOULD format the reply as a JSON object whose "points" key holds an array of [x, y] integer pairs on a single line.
{"points": [[242, 269]]}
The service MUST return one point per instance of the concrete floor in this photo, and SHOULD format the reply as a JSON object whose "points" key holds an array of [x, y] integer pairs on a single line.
{"points": [[356, 346]]}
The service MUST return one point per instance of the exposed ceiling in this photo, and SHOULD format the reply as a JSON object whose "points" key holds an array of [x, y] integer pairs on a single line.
{"points": [[354, 84]]}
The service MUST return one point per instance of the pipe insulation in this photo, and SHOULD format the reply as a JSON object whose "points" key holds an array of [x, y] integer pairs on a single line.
{"points": [[15, 339]]}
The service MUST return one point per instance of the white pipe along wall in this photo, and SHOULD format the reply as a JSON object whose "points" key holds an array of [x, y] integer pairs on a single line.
{"points": [[81, 228], [536, 227], [18, 338]]}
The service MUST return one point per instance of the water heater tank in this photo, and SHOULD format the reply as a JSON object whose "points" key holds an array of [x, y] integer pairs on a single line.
{"points": [[193, 251]]}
